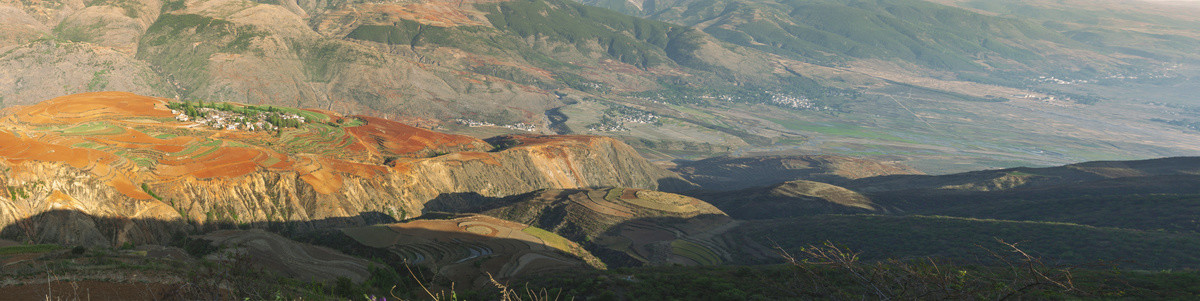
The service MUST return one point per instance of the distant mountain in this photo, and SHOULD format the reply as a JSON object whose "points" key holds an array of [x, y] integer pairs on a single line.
{"points": [[1148, 205], [1146, 195], [439, 61], [974, 39], [945, 87]]}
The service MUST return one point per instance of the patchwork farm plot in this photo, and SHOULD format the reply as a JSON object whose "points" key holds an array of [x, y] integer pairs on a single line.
{"points": [[130, 140]]}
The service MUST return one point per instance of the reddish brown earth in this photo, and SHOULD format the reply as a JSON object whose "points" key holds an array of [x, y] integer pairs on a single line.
{"points": [[92, 106], [27, 140], [381, 136], [122, 155]]}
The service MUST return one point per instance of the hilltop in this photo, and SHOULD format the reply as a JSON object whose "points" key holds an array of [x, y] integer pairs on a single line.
{"points": [[138, 159]]}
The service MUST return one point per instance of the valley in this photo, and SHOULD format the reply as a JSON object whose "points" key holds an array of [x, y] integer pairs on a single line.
{"points": [[599, 149], [1013, 89], [100, 186]]}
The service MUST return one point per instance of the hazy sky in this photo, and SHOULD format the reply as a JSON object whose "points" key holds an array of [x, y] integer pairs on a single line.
{"points": [[1189, 3]]}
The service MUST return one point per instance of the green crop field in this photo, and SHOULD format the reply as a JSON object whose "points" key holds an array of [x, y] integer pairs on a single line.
{"points": [[93, 129], [695, 252], [28, 249], [551, 239], [837, 129]]}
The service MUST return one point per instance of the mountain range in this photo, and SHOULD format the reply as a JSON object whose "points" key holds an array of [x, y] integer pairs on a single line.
{"points": [[675, 80], [599, 149], [161, 182]]}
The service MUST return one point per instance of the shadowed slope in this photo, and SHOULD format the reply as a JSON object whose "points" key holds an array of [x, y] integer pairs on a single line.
{"points": [[730, 173], [790, 199], [879, 237]]}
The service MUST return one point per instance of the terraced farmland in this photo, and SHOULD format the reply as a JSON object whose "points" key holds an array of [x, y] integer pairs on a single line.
{"points": [[116, 135], [464, 247], [650, 227], [284, 257]]}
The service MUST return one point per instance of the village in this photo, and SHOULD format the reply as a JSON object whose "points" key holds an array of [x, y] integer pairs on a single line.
{"points": [[231, 120], [520, 126], [615, 118], [789, 101]]}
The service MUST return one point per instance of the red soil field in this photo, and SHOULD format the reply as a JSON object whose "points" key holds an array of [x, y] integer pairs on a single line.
{"points": [[382, 137], [454, 159], [132, 155], [358, 169], [226, 162], [629, 194], [92, 106], [535, 140], [135, 139], [14, 149]]}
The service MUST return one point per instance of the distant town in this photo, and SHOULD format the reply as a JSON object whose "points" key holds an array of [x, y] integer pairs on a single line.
{"points": [[520, 126]]}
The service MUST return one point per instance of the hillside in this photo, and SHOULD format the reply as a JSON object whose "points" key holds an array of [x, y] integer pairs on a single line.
{"points": [[965, 37], [1147, 194], [791, 199], [453, 57], [204, 199], [754, 79], [880, 237], [468, 248], [599, 149], [119, 154], [729, 173], [1157, 194], [954, 86], [632, 227]]}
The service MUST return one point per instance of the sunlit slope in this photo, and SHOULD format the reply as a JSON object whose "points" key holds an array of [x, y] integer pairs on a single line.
{"points": [[120, 154], [631, 227]]}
